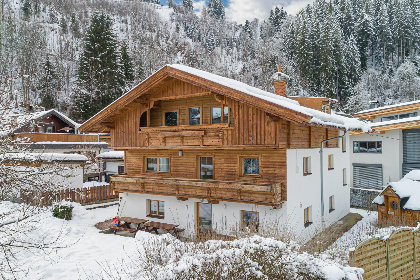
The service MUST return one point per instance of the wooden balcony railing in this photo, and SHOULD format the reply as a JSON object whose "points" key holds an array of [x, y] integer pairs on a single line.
{"points": [[212, 190]]}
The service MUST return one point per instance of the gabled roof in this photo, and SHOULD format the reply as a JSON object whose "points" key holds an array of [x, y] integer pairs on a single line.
{"points": [[22, 120], [407, 189], [269, 102]]}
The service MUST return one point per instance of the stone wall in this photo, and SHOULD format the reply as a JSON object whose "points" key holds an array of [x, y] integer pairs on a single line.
{"points": [[362, 198]]}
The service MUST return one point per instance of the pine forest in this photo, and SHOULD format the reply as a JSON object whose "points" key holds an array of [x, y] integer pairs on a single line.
{"points": [[79, 56]]}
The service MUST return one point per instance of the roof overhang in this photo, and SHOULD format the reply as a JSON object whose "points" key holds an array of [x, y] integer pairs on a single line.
{"points": [[370, 114]]}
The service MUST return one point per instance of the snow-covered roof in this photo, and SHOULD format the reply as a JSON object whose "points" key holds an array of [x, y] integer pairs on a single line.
{"points": [[13, 122], [405, 120], [112, 154], [407, 189], [318, 117], [47, 157], [388, 107]]}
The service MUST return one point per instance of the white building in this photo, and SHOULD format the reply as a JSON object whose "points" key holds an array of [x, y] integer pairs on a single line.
{"points": [[112, 163], [386, 154]]}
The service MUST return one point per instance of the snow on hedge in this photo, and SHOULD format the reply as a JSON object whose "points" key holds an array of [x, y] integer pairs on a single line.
{"points": [[253, 257]]}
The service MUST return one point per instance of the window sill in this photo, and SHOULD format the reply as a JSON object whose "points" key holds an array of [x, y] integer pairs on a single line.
{"points": [[308, 224], [331, 210], [155, 216], [252, 175], [306, 174], [150, 171]]}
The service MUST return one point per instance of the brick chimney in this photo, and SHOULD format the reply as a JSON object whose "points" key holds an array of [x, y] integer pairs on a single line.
{"points": [[280, 85]]}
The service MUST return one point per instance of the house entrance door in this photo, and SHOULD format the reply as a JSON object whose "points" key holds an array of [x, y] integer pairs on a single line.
{"points": [[204, 218]]}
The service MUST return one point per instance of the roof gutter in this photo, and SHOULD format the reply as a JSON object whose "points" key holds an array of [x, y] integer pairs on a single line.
{"points": [[321, 151]]}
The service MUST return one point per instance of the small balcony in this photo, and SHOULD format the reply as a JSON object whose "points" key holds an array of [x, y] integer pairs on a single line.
{"points": [[212, 190]]}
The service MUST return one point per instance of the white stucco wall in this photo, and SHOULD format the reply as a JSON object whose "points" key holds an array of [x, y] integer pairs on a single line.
{"points": [[305, 190], [112, 167], [302, 191], [391, 157]]}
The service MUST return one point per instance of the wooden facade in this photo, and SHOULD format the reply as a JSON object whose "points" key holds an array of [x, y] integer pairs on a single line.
{"points": [[392, 213], [57, 137], [252, 128]]}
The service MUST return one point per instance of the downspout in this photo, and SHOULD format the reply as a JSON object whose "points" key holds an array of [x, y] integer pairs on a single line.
{"points": [[321, 151]]}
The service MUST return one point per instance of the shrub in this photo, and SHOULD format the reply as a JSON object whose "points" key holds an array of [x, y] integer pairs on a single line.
{"points": [[63, 212]]}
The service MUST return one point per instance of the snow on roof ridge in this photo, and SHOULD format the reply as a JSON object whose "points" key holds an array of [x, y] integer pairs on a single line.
{"points": [[388, 107], [318, 117]]}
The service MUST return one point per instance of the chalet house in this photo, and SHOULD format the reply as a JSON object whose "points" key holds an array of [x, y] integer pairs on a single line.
{"points": [[53, 132], [212, 154], [387, 153], [399, 203]]}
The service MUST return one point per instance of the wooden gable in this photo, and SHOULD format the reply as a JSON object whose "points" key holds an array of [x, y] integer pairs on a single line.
{"points": [[172, 83]]}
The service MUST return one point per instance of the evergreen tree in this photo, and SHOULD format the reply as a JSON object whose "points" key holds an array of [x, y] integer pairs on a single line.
{"points": [[216, 9], [48, 86], [27, 8], [127, 67], [188, 4], [99, 77], [63, 25]]}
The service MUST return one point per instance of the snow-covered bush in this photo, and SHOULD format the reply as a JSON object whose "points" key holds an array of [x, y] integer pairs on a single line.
{"points": [[165, 257]]}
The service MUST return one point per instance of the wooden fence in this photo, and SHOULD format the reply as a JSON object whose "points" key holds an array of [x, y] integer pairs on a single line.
{"points": [[397, 257], [80, 195]]}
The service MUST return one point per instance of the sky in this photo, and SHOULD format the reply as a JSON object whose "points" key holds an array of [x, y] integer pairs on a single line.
{"points": [[241, 10]]}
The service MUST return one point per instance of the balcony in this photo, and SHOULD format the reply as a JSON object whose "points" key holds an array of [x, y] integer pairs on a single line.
{"points": [[212, 190]]}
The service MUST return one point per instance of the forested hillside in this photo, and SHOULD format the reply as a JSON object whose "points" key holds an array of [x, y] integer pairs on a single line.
{"points": [[52, 53]]}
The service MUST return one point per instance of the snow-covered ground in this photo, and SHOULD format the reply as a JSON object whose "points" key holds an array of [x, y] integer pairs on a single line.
{"points": [[364, 229], [79, 251]]}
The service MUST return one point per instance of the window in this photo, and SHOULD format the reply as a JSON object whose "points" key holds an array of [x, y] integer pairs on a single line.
{"points": [[367, 146], [344, 177], [156, 208], [93, 179], [120, 169], [195, 116], [206, 168], [331, 203], [307, 216], [220, 114], [171, 118], [50, 129], [396, 117], [343, 145], [157, 164], [251, 166], [330, 162], [307, 165], [250, 220]]}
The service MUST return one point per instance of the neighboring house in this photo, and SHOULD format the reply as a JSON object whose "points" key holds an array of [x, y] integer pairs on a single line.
{"points": [[53, 132], [399, 203], [215, 155], [44, 171], [386, 154], [112, 163]]}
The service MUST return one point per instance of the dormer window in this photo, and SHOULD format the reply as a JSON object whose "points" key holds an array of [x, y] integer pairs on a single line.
{"points": [[171, 118]]}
